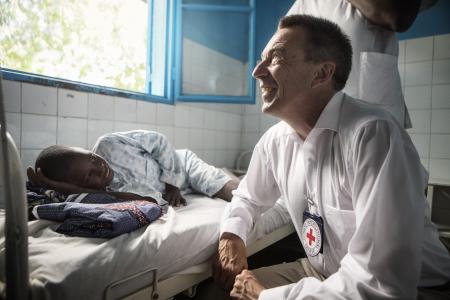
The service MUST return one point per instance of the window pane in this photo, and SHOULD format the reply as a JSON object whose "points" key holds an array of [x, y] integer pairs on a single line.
{"points": [[101, 42], [215, 53], [219, 2]]}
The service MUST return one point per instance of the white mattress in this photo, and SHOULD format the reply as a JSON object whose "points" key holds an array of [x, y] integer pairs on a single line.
{"points": [[63, 267]]}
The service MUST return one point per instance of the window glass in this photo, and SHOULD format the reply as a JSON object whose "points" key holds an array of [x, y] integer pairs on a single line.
{"points": [[215, 58], [101, 42]]}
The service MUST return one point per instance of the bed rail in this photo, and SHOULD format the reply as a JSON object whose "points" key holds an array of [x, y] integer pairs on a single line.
{"points": [[16, 230]]}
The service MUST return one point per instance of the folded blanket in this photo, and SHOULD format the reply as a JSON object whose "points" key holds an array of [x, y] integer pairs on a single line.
{"points": [[99, 220]]}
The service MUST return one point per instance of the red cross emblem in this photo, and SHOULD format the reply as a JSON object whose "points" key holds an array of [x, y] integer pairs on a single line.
{"points": [[311, 238]]}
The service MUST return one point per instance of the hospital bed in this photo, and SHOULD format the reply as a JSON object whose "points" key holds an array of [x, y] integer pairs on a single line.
{"points": [[167, 257]]}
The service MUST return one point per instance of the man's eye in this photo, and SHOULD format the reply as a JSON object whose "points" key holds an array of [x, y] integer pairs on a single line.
{"points": [[275, 59]]}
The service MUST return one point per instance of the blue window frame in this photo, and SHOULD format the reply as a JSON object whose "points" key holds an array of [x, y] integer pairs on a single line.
{"points": [[180, 32]]}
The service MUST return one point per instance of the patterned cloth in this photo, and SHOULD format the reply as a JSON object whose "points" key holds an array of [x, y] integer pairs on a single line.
{"points": [[143, 161], [99, 220], [38, 195]]}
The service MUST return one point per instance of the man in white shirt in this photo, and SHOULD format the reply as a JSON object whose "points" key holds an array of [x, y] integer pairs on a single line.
{"points": [[351, 178], [371, 26]]}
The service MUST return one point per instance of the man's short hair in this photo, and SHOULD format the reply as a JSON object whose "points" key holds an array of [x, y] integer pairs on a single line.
{"points": [[55, 161], [324, 41]]}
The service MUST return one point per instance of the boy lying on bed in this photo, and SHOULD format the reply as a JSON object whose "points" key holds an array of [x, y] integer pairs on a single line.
{"points": [[130, 165]]}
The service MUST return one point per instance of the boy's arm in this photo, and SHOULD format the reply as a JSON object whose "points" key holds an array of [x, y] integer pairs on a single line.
{"points": [[38, 178]]}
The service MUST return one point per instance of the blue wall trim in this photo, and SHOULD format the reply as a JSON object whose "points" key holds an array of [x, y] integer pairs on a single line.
{"points": [[433, 21]]}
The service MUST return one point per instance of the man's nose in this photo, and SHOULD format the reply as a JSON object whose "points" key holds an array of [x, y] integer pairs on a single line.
{"points": [[260, 70]]}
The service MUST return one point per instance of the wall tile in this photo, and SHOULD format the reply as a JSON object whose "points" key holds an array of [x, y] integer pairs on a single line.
{"points": [[28, 157], [221, 158], [440, 169], [72, 103], [209, 139], [38, 131], [182, 115], [420, 121], [210, 119], [418, 97], [181, 138], [196, 117], [441, 96], [146, 112], [441, 71], [440, 121], [442, 46], [37, 99], [418, 73], [267, 121], [195, 138], [422, 143], [13, 125], [125, 109], [72, 132], [125, 126], [251, 123], [249, 140], [220, 140], [209, 156], [168, 131], [235, 123], [145, 126], [419, 49], [97, 128], [440, 146], [11, 94], [101, 107], [165, 115], [221, 121], [401, 51]]}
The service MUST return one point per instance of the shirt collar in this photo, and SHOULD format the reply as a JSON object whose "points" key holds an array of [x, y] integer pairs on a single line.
{"points": [[329, 118]]}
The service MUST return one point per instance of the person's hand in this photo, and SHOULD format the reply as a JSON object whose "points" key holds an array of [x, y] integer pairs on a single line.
{"points": [[231, 260], [38, 178], [173, 196], [246, 286]]}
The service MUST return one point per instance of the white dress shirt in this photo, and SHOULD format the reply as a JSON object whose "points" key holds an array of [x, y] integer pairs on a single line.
{"points": [[374, 76], [365, 177]]}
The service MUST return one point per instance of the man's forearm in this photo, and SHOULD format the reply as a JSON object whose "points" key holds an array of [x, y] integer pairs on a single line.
{"points": [[395, 15]]}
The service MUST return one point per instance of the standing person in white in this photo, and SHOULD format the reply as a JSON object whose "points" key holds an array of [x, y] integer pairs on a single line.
{"points": [[351, 177], [371, 26]]}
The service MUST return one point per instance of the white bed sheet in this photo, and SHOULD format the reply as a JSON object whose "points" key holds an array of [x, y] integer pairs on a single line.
{"points": [[63, 267]]}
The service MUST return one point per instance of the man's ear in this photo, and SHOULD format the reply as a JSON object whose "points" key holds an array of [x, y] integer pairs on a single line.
{"points": [[323, 74]]}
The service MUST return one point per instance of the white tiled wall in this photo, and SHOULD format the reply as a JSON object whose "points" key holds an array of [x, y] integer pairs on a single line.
{"points": [[426, 83], [39, 116]]}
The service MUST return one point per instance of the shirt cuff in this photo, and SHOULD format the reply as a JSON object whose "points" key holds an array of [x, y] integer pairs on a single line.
{"points": [[236, 226]]}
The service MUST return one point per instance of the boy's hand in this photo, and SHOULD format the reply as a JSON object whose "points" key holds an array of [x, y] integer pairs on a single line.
{"points": [[38, 178], [173, 196]]}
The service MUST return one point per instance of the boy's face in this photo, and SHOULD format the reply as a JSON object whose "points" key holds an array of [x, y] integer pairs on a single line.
{"points": [[89, 170]]}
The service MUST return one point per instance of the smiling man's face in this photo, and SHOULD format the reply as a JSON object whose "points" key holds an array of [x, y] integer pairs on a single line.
{"points": [[283, 74]]}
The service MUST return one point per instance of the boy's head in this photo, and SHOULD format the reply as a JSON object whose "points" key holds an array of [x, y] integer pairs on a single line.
{"points": [[74, 165]]}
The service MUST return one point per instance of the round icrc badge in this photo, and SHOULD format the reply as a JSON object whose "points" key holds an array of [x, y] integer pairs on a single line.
{"points": [[311, 237]]}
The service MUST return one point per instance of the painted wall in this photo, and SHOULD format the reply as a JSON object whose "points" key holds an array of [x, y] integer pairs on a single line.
{"points": [[267, 15], [433, 21]]}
